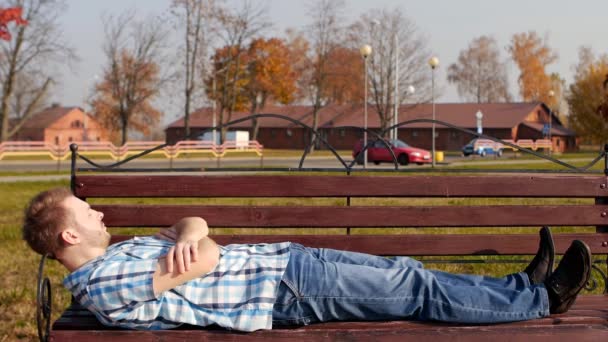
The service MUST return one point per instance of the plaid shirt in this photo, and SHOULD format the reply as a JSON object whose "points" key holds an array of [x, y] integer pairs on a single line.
{"points": [[238, 294]]}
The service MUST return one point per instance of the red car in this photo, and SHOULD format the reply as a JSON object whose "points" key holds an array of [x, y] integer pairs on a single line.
{"points": [[378, 153]]}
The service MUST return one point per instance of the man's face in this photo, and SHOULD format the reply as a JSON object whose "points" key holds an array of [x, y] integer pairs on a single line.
{"points": [[89, 224]]}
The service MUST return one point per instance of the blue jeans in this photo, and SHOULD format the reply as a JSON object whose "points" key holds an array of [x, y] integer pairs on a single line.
{"points": [[321, 285]]}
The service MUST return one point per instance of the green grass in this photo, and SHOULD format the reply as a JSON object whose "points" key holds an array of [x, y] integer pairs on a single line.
{"points": [[19, 265]]}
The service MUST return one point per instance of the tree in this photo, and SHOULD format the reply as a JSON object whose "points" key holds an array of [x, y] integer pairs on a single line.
{"points": [[8, 15], [324, 33], [132, 77], [479, 74], [196, 18], [237, 27], [221, 90], [532, 55], [26, 60], [587, 96], [390, 33], [270, 75]]}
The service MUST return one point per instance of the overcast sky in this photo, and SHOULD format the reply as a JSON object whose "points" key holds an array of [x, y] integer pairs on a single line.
{"points": [[449, 26]]}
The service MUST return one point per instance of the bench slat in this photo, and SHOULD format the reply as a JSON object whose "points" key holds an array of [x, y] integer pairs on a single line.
{"points": [[423, 244], [339, 186], [580, 324], [341, 216]]}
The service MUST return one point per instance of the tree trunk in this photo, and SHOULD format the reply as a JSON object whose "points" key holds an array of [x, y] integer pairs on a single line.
{"points": [[125, 122], [187, 116]]}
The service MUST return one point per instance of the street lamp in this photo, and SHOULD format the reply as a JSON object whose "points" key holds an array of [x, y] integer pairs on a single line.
{"points": [[551, 94], [396, 97], [433, 63], [365, 51], [479, 116]]}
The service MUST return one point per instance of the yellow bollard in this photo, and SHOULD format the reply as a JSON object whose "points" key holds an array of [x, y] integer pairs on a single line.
{"points": [[438, 156]]}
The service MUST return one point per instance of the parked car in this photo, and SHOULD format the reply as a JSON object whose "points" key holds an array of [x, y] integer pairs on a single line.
{"points": [[482, 147], [378, 153]]}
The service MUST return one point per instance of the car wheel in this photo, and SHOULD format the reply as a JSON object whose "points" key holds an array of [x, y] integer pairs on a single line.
{"points": [[482, 153], [419, 163], [403, 159], [377, 162], [499, 153]]}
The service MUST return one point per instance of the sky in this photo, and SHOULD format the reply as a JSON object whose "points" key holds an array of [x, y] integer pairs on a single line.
{"points": [[448, 25]]}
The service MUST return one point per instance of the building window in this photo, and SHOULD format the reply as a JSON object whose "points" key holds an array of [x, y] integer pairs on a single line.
{"points": [[70, 139], [414, 133], [273, 132], [288, 132], [98, 139], [56, 140], [454, 134], [342, 132], [76, 124]]}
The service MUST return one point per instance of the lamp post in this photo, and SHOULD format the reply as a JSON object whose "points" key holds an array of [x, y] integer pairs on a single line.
{"points": [[214, 86], [433, 63], [365, 51], [479, 116], [410, 90], [396, 97], [551, 94]]}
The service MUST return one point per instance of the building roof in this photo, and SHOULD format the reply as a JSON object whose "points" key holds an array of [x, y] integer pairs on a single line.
{"points": [[495, 115], [47, 117], [556, 130]]}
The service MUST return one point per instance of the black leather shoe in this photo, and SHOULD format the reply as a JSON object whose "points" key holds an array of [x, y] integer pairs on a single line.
{"points": [[569, 277], [541, 267]]}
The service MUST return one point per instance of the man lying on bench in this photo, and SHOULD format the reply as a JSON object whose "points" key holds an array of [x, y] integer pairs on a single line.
{"points": [[182, 276]]}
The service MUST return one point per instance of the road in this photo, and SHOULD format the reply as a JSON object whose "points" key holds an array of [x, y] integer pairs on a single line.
{"points": [[235, 162], [202, 163]]}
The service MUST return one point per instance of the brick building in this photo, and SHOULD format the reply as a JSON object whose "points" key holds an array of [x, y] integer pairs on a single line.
{"points": [[338, 125], [61, 125]]}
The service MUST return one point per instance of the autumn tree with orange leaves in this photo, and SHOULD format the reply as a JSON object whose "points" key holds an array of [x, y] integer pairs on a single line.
{"points": [[132, 77], [225, 83], [238, 27], [588, 96], [532, 55], [270, 76]]}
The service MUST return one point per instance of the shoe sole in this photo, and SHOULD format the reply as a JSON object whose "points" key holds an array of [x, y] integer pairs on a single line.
{"points": [[568, 301]]}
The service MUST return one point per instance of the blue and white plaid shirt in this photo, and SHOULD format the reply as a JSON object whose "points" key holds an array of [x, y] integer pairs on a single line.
{"points": [[238, 294]]}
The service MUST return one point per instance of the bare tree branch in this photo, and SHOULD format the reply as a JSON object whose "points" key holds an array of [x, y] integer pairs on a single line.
{"points": [[29, 55]]}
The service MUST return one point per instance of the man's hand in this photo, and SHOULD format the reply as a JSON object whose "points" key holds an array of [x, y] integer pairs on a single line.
{"points": [[193, 254], [182, 253], [186, 234]]}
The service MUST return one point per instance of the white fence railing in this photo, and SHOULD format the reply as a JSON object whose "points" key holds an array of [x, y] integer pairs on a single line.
{"points": [[523, 143], [106, 148]]}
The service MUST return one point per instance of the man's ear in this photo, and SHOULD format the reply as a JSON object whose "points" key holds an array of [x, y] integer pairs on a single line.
{"points": [[70, 237]]}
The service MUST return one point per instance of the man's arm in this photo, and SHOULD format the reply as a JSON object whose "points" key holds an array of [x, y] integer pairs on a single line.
{"points": [[193, 254]]}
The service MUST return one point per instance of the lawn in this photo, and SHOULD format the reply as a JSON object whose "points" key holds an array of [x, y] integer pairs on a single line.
{"points": [[19, 265]]}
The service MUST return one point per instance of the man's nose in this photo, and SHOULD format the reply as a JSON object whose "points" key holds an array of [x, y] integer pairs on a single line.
{"points": [[100, 215]]}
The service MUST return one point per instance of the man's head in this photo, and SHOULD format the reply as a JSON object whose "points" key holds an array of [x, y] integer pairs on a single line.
{"points": [[56, 220]]}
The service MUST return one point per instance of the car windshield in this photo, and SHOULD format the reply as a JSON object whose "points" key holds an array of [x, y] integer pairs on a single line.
{"points": [[399, 143]]}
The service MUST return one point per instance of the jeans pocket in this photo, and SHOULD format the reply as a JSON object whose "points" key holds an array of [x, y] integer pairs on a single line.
{"points": [[288, 310], [287, 294]]}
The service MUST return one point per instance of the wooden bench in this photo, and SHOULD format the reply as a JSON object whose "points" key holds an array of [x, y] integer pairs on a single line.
{"points": [[357, 210]]}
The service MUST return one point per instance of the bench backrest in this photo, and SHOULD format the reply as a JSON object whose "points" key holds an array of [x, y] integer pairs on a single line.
{"points": [[338, 205]]}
